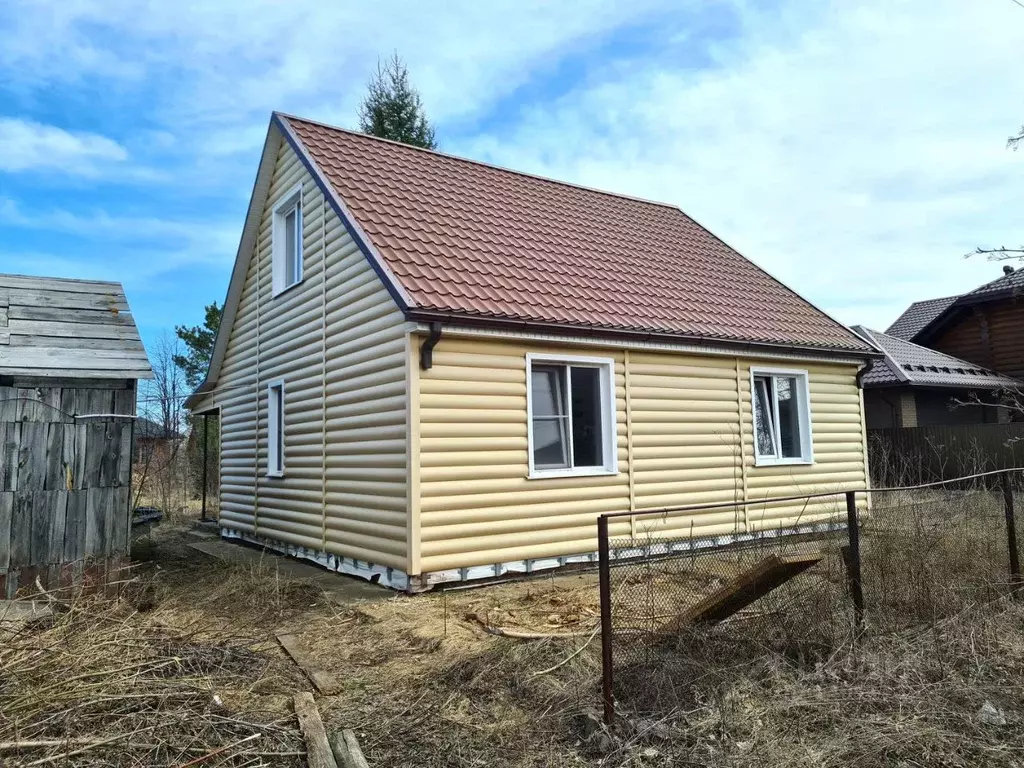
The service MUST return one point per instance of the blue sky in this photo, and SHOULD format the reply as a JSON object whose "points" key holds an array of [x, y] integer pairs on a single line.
{"points": [[855, 150]]}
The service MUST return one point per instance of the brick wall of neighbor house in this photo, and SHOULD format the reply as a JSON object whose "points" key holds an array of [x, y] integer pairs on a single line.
{"points": [[907, 408], [344, 489], [990, 335], [684, 436]]}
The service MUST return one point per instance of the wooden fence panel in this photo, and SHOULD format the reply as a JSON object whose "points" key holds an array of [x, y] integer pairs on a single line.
{"points": [[64, 483], [912, 455]]}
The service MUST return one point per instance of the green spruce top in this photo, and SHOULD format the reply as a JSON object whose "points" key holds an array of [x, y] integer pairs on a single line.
{"points": [[199, 340], [392, 108]]}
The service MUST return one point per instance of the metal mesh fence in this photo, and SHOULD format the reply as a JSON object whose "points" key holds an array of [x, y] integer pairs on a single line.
{"points": [[682, 605]]}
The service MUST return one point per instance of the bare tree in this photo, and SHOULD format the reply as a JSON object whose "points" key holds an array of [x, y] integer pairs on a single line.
{"points": [[159, 471]]}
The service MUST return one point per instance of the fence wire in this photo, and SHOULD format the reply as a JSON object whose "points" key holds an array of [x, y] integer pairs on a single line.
{"points": [[924, 555]]}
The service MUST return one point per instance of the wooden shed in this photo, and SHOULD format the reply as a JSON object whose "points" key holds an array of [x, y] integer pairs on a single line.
{"points": [[70, 361]]}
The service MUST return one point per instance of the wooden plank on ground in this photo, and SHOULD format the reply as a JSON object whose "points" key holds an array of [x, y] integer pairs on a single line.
{"points": [[753, 584], [324, 681], [318, 750], [347, 751], [23, 611]]}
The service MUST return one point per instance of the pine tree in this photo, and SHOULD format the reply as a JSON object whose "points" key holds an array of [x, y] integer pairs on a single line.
{"points": [[199, 340], [392, 108]]}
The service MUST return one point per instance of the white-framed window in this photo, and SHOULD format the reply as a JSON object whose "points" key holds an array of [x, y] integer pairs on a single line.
{"points": [[287, 241], [275, 429], [782, 416], [570, 407]]}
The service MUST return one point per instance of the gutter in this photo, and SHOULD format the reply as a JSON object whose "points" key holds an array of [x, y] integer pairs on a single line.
{"points": [[561, 329]]}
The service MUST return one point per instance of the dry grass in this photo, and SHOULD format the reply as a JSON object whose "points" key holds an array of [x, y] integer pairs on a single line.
{"points": [[424, 685]]}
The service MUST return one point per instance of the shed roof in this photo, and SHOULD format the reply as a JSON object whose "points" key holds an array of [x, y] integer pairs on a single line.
{"points": [[55, 327], [471, 240], [909, 364]]}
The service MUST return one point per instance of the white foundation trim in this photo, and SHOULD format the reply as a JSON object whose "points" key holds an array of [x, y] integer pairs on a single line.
{"points": [[635, 549]]}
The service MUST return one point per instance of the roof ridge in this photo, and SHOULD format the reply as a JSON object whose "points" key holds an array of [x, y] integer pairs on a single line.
{"points": [[481, 163]]}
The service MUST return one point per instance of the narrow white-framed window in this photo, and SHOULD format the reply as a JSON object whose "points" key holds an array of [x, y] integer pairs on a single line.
{"points": [[275, 429], [781, 405], [286, 240], [570, 405]]}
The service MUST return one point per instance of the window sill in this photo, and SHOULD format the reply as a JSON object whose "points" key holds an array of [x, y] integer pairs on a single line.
{"points": [[758, 462], [545, 474], [287, 288]]}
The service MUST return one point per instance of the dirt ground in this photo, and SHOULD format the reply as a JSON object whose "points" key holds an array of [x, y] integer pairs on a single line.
{"points": [[186, 662]]}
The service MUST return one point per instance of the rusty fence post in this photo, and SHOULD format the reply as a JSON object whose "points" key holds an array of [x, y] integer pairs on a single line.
{"points": [[853, 570], [1011, 529], [605, 567]]}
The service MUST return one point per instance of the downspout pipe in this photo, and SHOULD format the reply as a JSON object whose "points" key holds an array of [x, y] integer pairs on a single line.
{"points": [[427, 348]]}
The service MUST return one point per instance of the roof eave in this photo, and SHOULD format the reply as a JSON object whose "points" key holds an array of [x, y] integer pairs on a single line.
{"points": [[620, 334]]}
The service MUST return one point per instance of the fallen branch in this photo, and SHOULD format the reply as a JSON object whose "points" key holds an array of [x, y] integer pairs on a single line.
{"points": [[222, 750], [571, 656], [519, 634]]}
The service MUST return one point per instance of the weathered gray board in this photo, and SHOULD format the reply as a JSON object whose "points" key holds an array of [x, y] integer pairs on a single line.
{"points": [[65, 481]]}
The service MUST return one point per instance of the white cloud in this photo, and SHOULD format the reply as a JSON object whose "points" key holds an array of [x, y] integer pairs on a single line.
{"points": [[857, 157], [222, 62], [145, 246], [856, 150], [26, 145]]}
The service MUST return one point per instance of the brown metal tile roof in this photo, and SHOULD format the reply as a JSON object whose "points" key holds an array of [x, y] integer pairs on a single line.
{"points": [[471, 239], [919, 316], [906, 363]]}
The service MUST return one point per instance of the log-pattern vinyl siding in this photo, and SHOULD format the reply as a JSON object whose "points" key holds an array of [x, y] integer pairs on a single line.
{"points": [[684, 437], [344, 485]]}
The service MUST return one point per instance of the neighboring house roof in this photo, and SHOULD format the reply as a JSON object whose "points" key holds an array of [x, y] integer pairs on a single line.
{"points": [[465, 239], [56, 327], [1010, 284], [922, 316], [918, 316], [148, 429], [909, 364]]}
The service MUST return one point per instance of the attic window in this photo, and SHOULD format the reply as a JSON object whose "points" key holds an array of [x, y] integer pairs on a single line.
{"points": [[782, 416], [287, 241]]}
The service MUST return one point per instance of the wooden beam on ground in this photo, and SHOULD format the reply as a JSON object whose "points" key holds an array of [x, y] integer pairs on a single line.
{"points": [[324, 681], [753, 584], [318, 750], [347, 751]]}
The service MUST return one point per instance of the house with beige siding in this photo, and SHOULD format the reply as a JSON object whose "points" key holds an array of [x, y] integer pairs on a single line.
{"points": [[431, 369]]}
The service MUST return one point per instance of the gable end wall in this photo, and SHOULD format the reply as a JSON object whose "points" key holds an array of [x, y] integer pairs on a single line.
{"points": [[344, 489]]}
